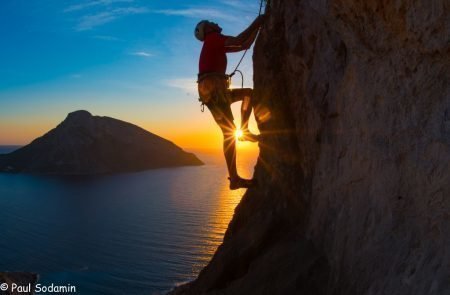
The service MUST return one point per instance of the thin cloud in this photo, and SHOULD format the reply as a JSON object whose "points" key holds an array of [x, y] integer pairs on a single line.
{"points": [[143, 54], [234, 3], [89, 22], [106, 38], [188, 85], [241, 6], [89, 4], [196, 13]]}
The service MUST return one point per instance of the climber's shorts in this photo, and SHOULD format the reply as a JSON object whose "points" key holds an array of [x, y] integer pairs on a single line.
{"points": [[214, 92]]}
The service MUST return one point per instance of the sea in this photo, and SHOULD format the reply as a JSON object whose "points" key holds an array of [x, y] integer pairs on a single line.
{"points": [[135, 233]]}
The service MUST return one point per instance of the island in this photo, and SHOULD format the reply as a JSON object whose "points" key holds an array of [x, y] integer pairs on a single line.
{"points": [[84, 144]]}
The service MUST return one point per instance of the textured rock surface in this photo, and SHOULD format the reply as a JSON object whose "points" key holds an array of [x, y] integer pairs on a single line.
{"points": [[86, 144], [353, 173]]}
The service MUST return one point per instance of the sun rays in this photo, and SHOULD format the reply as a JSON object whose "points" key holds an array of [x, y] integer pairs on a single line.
{"points": [[238, 133]]}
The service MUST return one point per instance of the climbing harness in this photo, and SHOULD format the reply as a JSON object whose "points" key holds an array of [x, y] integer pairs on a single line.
{"points": [[211, 87]]}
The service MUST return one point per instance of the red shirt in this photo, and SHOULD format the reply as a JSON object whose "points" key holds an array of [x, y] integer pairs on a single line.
{"points": [[213, 57]]}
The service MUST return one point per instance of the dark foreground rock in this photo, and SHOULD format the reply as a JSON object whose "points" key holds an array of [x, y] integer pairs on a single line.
{"points": [[86, 144], [25, 279], [353, 176]]}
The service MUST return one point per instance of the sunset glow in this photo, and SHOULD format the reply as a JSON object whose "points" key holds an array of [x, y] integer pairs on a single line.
{"points": [[139, 66], [238, 133]]}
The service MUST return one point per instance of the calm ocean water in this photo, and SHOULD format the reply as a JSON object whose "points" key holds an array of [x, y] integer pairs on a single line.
{"points": [[139, 233]]}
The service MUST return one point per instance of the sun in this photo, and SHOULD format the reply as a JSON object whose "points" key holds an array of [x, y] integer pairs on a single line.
{"points": [[238, 133]]}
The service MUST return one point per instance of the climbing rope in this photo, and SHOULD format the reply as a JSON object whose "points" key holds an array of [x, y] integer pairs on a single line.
{"points": [[245, 52]]}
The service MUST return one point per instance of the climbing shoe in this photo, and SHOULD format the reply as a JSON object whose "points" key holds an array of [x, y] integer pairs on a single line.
{"points": [[248, 136], [237, 183]]}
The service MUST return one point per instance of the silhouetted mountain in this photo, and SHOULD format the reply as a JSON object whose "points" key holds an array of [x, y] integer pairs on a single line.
{"points": [[86, 144]]}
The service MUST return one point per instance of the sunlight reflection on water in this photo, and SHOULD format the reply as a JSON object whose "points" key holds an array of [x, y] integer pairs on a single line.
{"points": [[136, 233], [225, 204]]}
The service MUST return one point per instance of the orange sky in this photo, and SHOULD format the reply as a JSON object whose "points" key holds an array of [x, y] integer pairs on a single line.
{"points": [[196, 130], [145, 74]]}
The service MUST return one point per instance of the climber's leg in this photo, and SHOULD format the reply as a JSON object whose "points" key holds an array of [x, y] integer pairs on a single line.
{"points": [[245, 95], [229, 148], [224, 118]]}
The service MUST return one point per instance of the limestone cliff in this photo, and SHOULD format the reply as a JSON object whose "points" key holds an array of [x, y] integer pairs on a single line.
{"points": [[85, 144], [353, 191]]}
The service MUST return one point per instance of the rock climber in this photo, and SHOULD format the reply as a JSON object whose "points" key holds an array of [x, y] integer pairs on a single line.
{"points": [[214, 92]]}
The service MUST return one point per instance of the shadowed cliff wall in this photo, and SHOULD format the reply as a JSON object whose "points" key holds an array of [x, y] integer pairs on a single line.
{"points": [[353, 191]]}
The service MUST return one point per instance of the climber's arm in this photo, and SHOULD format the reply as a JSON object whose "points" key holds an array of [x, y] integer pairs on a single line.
{"points": [[245, 39]]}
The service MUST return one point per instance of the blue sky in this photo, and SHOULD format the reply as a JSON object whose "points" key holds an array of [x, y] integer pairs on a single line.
{"points": [[134, 60]]}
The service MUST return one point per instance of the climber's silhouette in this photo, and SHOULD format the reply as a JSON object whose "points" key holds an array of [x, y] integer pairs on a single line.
{"points": [[214, 92]]}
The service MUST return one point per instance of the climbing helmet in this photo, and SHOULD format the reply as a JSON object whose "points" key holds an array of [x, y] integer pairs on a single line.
{"points": [[200, 30]]}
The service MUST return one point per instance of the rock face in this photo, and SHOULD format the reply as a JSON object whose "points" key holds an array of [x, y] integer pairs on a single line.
{"points": [[353, 191], [86, 144]]}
